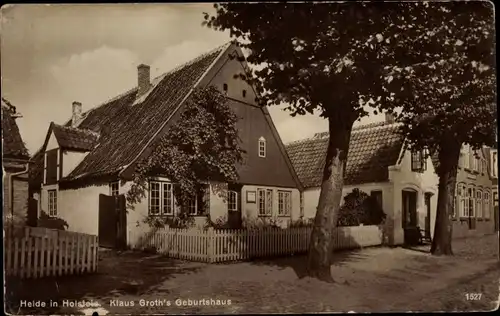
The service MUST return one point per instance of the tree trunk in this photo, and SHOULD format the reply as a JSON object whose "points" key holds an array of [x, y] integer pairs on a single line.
{"points": [[320, 248], [447, 172]]}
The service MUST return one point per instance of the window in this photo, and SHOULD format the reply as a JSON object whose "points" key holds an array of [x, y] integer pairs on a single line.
{"points": [[154, 198], [418, 161], [472, 161], [461, 160], [466, 160], [462, 200], [262, 147], [52, 203], [486, 207], [479, 204], [52, 166], [224, 87], [454, 207], [168, 199], [377, 195], [192, 207], [232, 201], [470, 202], [244, 93], [284, 203], [265, 202], [161, 198], [114, 188]]}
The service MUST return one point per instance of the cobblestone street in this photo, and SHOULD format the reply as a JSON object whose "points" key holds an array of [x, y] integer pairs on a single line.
{"points": [[373, 279]]}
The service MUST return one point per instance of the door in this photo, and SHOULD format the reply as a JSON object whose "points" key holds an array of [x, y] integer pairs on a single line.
{"points": [[428, 215], [409, 217], [234, 219], [112, 221]]}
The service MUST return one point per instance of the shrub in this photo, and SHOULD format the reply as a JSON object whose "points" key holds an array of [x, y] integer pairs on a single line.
{"points": [[47, 221], [360, 208]]}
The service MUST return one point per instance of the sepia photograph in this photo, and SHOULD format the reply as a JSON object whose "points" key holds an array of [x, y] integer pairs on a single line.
{"points": [[249, 158]]}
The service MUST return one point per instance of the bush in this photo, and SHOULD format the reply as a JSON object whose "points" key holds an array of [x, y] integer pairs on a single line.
{"points": [[360, 208], [52, 222]]}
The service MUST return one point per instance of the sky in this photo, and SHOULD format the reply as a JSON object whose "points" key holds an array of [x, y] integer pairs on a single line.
{"points": [[53, 55]]}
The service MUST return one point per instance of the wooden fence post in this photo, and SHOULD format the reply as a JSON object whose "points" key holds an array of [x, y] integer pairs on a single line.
{"points": [[211, 245]]}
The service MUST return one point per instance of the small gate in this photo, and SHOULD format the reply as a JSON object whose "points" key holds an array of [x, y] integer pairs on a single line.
{"points": [[112, 221]]}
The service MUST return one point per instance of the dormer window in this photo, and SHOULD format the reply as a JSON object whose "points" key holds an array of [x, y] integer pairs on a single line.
{"points": [[262, 147], [418, 161], [224, 87], [244, 93]]}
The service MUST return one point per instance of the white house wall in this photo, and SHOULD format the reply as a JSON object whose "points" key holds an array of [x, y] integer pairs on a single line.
{"points": [[52, 143], [404, 178], [80, 208], [71, 159], [250, 211]]}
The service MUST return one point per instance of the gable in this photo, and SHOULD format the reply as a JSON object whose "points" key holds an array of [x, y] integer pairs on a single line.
{"points": [[275, 169], [52, 142]]}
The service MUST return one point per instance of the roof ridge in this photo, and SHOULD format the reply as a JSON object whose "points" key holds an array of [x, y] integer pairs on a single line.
{"points": [[85, 130]]}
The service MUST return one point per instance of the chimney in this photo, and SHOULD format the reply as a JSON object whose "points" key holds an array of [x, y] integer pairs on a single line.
{"points": [[389, 118], [77, 114], [143, 79]]}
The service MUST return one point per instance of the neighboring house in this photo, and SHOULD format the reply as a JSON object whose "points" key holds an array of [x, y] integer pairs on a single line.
{"points": [[95, 153], [15, 160], [403, 182], [474, 195]]}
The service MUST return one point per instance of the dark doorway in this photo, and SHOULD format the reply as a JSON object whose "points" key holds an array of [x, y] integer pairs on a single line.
{"points": [[409, 217], [112, 221], [234, 219], [428, 197]]}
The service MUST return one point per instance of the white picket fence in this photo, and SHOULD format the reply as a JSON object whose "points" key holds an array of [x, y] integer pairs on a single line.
{"points": [[221, 245], [34, 252]]}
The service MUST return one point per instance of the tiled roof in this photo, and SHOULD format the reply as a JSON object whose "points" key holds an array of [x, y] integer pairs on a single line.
{"points": [[372, 149], [75, 138], [126, 123], [13, 145]]}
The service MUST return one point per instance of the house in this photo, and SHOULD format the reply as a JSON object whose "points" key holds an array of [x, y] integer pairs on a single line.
{"points": [[15, 159], [403, 182], [474, 195], [94, 154]]}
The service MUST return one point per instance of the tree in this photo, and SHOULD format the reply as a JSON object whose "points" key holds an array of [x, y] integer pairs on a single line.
{"points": [[324, 57], [202, 146], [445, 86]]}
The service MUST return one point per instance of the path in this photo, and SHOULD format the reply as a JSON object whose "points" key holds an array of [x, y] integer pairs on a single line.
{"points": [[374, 279]]}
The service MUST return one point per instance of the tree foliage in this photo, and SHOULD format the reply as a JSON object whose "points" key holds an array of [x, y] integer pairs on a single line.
{"points": [[443, 75], [360, 208], [443, 78], [201, 147], [314, 57]]}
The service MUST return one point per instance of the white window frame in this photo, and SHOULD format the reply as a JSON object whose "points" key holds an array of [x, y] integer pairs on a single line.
{"points": [[471, 204], [262, 147], [462, 200], [264, 196], [232, 201], [193, 207], [52, 202], [487, 205], [151, 189], [284, 203], [170, 196], [479, 204], [114, 187]]}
